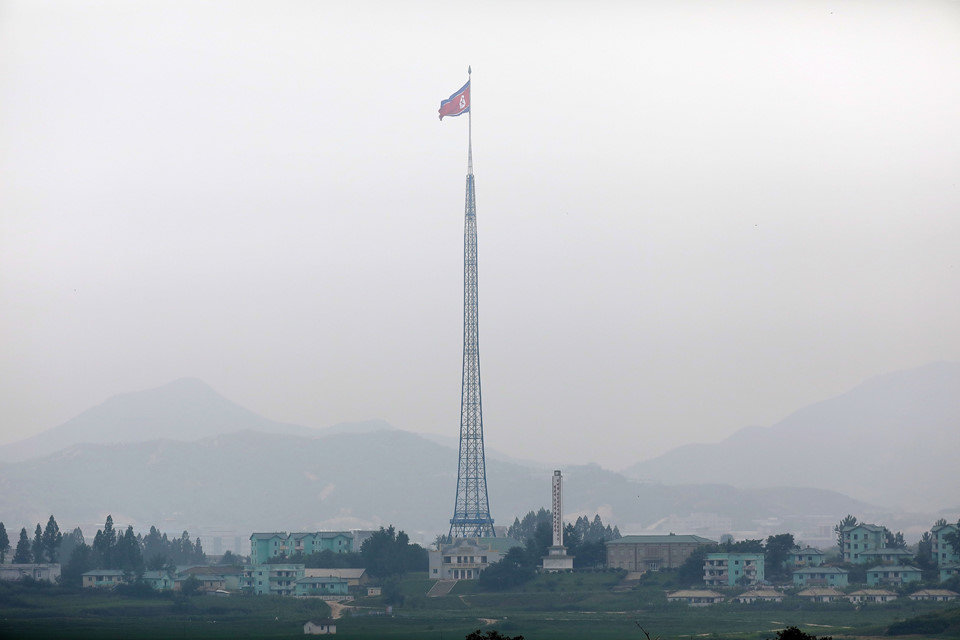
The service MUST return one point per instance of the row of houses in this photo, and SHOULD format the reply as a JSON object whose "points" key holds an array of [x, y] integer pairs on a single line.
{"points": [[266, 579], [703, 597]]}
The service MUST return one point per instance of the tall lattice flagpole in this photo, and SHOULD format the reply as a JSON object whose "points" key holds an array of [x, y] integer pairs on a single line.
{"points": [[471, 515]]}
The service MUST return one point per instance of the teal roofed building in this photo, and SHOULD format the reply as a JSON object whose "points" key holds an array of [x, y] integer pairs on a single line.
{"points": [[947, 571], [821, 576], [806, 557], [900, 574], [942, 551], [324, 586], [731, 569], [264, 546], [271, 579], [859, 538], [886, 556]]}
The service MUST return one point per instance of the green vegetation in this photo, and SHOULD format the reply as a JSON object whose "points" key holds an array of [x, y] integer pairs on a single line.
{"points": [[548, 607]]}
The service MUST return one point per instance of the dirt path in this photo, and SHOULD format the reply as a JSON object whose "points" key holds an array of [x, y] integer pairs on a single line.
{"points": [[336, 609]]}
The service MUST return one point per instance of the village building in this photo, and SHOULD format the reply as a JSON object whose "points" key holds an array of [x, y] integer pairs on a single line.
{"points": [[760, 595], [806, 557], [816, 576], [872, 595], [652, 553], [859, 538], [822, 594], [730, 569], [899, 574], [320, 627], [103, 578], [35, 571], [466, 558], [935, 595], [695, 597]]}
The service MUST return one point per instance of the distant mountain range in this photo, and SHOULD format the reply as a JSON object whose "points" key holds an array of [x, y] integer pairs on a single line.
{"points": [[893, 440], [183, 457]]}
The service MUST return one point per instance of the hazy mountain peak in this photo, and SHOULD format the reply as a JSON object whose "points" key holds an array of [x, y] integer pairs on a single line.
{"points": [[186, 409]]}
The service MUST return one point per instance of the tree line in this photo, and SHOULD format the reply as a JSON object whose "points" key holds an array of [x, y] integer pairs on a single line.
{"points": [[584, 539], [111, 549]]}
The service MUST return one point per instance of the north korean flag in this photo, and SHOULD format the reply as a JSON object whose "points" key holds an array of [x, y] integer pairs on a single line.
{"points": [[458, 103]]}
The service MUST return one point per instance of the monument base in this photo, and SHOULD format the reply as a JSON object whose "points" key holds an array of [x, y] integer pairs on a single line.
{"points": [[557, 559]]}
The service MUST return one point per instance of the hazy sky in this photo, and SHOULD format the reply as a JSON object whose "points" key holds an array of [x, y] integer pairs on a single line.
{"points": [[693, 216]]}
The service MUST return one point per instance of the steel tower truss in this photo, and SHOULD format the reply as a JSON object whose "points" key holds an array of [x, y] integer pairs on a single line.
{"points": [[471, 516]]}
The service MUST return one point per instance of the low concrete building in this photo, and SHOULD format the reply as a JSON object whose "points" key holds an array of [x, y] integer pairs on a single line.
{"points": [[947, 571], [103, 578], [324, 586], [760, 595], [207, 582], [806, 557], [639, 553], [815, 576], [887, 556], [822, 594], [936, 595], [36, 571], [354, 577], [900, 574], [320, 627], [872, 595], [158, 580], [695, 597]]}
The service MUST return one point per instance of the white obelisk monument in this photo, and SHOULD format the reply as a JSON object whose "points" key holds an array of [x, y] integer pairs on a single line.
{"points": [[557, 558]]}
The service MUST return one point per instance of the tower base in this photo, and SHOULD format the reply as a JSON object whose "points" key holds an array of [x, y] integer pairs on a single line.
{"points": [[557, 559]]}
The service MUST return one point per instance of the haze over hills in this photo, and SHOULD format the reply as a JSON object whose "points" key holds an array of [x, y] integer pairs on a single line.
{"points": [[182, 456], [253, 481], [893, 440], [186, 409]]}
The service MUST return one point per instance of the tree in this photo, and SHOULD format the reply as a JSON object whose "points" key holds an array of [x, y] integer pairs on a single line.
{"points": [[924, 555], [81, 561], [70, 542], [392, 593], [23, 555], [127, 555], [848, 521], [388, 553], [691, 571], [515, 568], [4, 543], [104, 545], [38, 549], [775, 553], [52, 539], [894, 540], [793, 633], [190, 586]]}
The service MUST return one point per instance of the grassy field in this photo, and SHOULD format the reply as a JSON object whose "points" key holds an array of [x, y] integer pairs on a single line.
{"points": [[551, 607]]}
